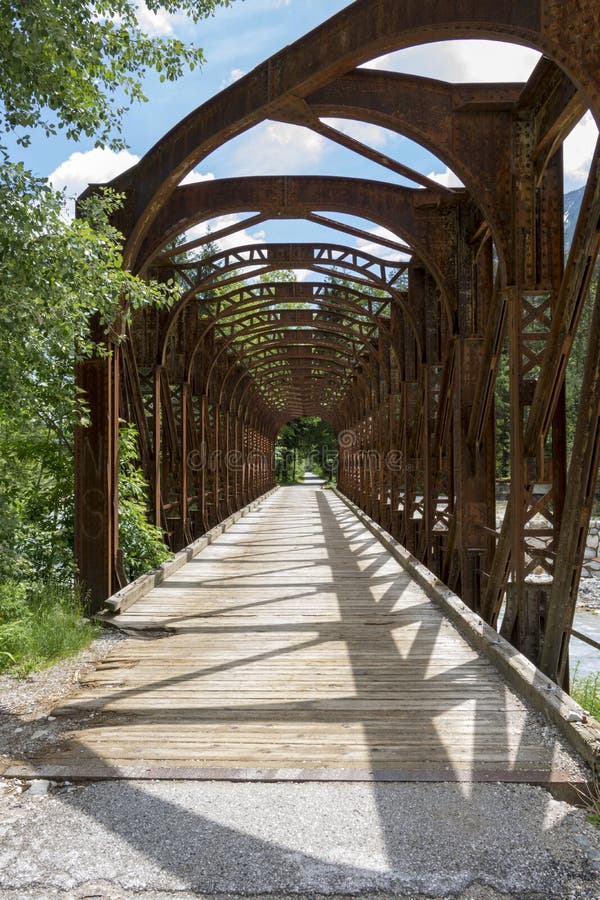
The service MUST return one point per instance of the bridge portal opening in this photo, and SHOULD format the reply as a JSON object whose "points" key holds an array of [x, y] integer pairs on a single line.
{"points": [[306, 445]]}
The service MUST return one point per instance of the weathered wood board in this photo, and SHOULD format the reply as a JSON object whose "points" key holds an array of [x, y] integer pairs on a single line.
{"points": [[296, 646]]}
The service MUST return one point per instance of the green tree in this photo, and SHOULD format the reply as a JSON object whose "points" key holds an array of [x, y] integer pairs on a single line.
{"points": [[76, 65], [54, 275], [503, 415], [576, 363], [304, 443], [70, 65]]}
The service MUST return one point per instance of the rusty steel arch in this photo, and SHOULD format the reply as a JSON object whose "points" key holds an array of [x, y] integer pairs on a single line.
{"points": [[401, 209], [321, 258], [415, 387], [332, 365], [468, 126], [369, 28], [317, 325]]}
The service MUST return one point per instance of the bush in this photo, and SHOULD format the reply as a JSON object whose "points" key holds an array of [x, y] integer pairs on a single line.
{"points": [[40, 623], [141, 542]]}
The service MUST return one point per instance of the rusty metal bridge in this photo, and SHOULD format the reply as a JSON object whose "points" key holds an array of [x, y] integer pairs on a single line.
{"points": [[398, 351]]}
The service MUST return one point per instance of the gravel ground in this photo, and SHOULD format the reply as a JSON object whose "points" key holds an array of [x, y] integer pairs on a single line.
{"points": [[26, 703], [192, 839], [589, 594], [40, 690], [154, 840]]}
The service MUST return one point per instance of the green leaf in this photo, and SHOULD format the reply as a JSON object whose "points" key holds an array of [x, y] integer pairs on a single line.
{"points": [[64, 62]]}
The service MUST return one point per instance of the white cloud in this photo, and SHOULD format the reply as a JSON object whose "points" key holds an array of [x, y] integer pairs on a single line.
{"points": [[155, 23], [234, 76], [578, 152], [276, 148], [237, 239], [462, 61], [194, 177], [99, 166], [447, 178], [375, 249], [93, 167], [365, 132]]}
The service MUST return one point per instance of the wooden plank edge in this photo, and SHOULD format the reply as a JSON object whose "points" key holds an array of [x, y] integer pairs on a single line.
{"points": [[560, 784], [577, 726], [131, 593]]}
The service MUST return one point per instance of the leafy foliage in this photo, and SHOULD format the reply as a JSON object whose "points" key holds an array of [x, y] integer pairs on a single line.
{"points": [[71, 271], [71, 65], [141, 543], [503, 415], [54, 276], [305, 444], [76, 65], [585, 689]]}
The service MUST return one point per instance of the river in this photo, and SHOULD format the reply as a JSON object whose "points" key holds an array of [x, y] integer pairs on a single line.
{"points": [[582, 655]]}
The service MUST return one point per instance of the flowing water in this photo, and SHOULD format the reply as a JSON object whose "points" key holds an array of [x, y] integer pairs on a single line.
{"points": [[582, 655]]}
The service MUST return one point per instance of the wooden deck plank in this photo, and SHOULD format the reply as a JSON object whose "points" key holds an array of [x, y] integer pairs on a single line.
{"points": [[295, 643]]}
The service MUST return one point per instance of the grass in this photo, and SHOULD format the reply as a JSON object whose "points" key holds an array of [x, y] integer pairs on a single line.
{"points": [[594, 816], [40, 623], [586, 691]]}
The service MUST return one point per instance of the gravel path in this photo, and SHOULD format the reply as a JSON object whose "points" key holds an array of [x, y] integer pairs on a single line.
{"points": [[26, 703], [159, 840], [181, 840], [191, 839]]}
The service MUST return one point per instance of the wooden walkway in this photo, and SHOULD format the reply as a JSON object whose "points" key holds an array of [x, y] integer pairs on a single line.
{"points": [[297, 648]]}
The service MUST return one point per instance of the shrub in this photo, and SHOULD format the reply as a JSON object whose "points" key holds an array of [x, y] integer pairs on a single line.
{"points": [[141, 542]]}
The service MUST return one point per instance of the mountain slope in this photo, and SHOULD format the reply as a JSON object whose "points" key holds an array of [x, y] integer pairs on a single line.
{"points": [[572, 206]]}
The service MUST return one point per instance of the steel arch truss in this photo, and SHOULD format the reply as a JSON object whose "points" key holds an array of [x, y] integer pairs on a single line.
{"points": [[400, 350]]}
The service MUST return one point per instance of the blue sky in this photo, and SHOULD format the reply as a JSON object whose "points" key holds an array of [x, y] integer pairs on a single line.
{"points": [[237, 39]]}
